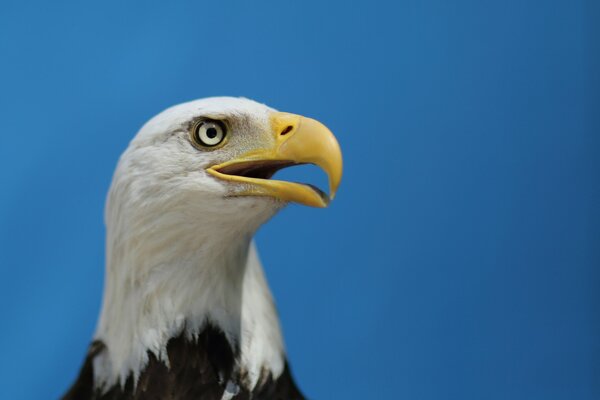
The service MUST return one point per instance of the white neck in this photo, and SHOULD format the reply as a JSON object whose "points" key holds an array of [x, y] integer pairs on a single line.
{"points": [[171, 272]]}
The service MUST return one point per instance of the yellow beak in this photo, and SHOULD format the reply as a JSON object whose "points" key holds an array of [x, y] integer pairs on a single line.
{"points": [[298, 140]]}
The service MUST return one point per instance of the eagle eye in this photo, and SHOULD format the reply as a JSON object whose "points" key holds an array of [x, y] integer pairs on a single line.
{"points": [[209, 133]]}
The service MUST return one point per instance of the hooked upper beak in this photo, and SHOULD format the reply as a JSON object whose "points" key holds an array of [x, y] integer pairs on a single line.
{"points": [[298, 140]]}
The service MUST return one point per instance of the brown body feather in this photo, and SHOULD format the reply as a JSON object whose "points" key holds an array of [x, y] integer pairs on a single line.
{"points": [[199, 370]]}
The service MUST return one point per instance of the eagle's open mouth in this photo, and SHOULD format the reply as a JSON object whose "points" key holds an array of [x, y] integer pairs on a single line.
{"points": [[293, 140], [261, 169], [264, 170]]}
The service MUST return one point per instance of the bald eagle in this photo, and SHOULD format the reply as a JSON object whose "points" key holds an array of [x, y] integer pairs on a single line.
{"points": [[187, 312]]}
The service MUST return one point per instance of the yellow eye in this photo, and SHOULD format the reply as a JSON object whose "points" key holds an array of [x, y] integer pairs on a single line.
{"points": [[209, 133]]}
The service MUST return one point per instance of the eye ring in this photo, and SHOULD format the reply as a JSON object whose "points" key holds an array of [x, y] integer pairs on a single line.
{"points": [[208, 133]]}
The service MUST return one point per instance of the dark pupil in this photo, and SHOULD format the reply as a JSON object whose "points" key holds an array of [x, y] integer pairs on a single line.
{"points": [[211, 133]]}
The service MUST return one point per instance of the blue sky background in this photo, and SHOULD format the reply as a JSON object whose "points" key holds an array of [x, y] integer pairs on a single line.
{"points": [[461, 258]]}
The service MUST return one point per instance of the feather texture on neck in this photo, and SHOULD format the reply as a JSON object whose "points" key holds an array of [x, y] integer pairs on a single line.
{"points": [[174, 265]]}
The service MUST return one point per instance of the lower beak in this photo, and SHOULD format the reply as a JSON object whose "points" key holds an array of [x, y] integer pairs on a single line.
{"points": [[298, 140]]}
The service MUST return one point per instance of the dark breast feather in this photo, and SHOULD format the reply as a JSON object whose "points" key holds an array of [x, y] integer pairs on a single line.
{"points": [[194, 374]]}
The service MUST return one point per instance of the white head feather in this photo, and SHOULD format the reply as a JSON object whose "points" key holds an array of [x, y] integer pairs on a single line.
{"points": [[179, 253]]}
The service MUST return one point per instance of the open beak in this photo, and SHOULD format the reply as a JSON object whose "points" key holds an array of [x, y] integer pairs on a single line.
{"points": [[298, 140]]}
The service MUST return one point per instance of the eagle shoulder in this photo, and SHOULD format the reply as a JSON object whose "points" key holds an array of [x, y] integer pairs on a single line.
{"points": [[199, 369]]}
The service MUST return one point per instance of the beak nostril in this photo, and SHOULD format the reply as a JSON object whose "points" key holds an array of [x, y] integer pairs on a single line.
{"points": [[286, 130]]}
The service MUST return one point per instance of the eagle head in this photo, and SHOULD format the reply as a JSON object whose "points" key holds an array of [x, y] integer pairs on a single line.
{"points": [[186, 198], [217, 157]]}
